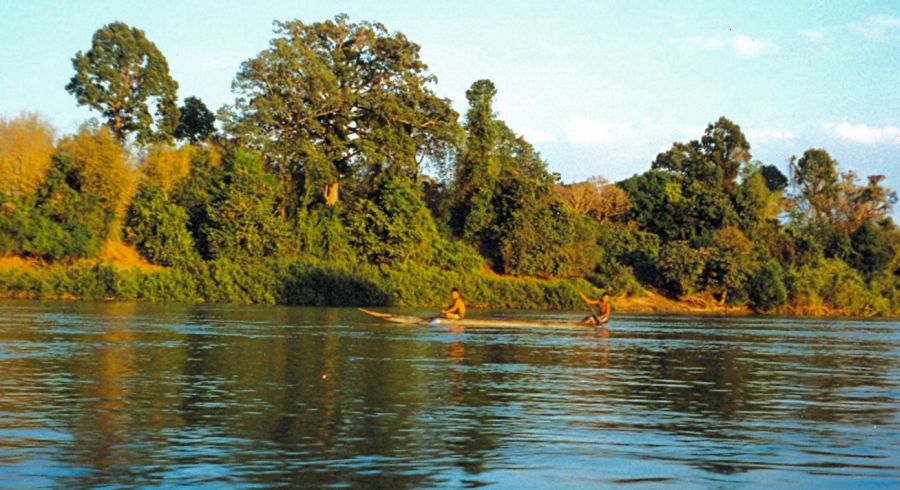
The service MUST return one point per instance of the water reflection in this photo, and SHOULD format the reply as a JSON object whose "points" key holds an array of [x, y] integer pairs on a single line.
{"points": [[135, 394]]}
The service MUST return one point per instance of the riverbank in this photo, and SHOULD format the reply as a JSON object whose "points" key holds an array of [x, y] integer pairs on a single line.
{"points": [[120, 274], [280, 281]]}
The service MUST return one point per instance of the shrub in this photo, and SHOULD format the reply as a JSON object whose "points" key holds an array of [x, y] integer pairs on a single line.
{"points": [[765, 287], [158, 228], [392, 225]]}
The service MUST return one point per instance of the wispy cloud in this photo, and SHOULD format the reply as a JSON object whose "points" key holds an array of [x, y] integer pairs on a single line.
{"points": [[751, 47], [865, 134], [536, 136], [743, 45], [587, 131], [555, 50], [878, 28], [813, 35], [599, 131], [766, 135], [702, 43]]}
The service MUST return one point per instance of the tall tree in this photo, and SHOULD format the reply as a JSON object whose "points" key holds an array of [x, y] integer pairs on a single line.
{"points": [[698, 189], [815, 176], [715, 160], [122, 76], [196, 122], [477, 166], [858, 204], [335, 100]]}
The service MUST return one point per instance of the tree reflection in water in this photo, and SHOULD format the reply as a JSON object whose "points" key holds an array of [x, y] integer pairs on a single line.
{"points": [[119, 394]]}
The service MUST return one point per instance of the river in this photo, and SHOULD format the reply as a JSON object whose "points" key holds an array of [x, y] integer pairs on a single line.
{"points": [[130, 394]]}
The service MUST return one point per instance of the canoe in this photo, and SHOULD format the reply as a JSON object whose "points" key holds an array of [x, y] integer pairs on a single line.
{"points": [[475, 322]]}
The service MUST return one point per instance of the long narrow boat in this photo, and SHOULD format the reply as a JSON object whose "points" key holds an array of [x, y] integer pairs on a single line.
{"points": [[474, 322]]}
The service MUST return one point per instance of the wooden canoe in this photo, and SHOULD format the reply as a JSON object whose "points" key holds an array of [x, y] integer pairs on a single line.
{"points": [[475, 322]]}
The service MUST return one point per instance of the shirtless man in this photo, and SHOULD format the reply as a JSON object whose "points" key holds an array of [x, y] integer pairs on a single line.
{"points": [[457, 309], [602, 315]]}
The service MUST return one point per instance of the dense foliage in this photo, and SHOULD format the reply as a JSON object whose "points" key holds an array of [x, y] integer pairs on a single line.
{"points": [[341, 178], [126, 78]]}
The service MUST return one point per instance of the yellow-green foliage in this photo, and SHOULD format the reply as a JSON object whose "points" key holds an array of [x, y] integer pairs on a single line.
{"points": [[26, 144], [101, 167], [833, 283], [165, 167]]}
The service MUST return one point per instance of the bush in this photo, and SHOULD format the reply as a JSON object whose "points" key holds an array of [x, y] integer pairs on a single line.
{"points": [[243, 221], [158, 229], [393, 225], [680, 267], [765, 287], [832, 283]]}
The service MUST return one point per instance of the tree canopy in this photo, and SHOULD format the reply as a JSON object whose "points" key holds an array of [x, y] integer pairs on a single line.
{"points": [[126, 78], [339, 166], [339, 101], [196, 122]]}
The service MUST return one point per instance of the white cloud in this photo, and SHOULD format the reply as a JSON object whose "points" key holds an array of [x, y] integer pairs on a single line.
{"points": [[536, 136], [813, 34], [555, 50], [743, 45], [751, 47], [585, 131], [701, 43], [878, 27], [863, 133], [765, 135]]}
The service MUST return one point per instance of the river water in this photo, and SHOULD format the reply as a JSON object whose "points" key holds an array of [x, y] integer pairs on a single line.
{"points": [[126, 394]]}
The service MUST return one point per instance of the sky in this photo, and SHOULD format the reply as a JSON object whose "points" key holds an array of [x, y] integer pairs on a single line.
{"points": [[599, 88]]}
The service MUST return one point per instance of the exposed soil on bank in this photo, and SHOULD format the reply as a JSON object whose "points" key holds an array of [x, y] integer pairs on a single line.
{"points": [[651, 302], [116, 254]]}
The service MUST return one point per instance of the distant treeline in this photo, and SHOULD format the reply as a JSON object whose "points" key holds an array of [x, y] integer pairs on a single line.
{"points": [[338, 176]]}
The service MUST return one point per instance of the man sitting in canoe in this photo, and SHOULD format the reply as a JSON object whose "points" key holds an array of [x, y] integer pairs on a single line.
{"points": [[602, 315], [457, 309]]}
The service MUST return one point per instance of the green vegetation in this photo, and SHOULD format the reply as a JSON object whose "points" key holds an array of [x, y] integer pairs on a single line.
{"points": [[307, 282], [342, 179], [120, 76]]}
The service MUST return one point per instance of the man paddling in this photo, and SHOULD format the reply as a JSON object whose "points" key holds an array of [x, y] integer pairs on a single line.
{"points": [[602, 315], [457, 309]]}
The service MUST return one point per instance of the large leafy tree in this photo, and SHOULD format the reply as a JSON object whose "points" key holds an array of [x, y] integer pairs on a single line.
{"points": [[825, 197], [692, 187], [126, 77], [335, 100], [715, 159]]}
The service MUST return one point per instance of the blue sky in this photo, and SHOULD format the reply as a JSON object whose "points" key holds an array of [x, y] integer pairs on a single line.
{"points": [[598, 87]]}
